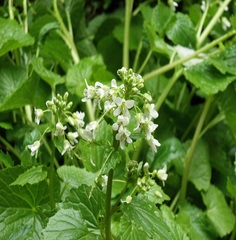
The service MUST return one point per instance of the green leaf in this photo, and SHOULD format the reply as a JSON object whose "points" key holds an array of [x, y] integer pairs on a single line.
{"points": [[218, 212], [231, 188], [182, 31], [67, 224], [208, 78], [174, 227], [146, 216], [90, 201], [6, 159], [200, 170], [227, 104], [225, 61], [74, 176], [129, 230], [195, 222], [48, 76], [21, 207], [5, 125], [14, 36], [15, 89], [85, 69], [31, 176]]}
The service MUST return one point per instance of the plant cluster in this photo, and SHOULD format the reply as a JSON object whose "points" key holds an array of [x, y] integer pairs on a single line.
{"points": [[150, 154]]}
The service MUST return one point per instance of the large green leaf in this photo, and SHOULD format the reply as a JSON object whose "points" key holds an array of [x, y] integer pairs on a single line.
{"points": [[146, 216], [225, 61], [12, 36], [206, 77], [195, 222], [48, 76], [200, 170], [67, 224], [16, 90], [75, 176], [21, 207], [31, 176], [218, 212], [182, 31], [90, 201]]}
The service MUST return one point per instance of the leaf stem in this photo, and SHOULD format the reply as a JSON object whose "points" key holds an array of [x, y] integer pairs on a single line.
{"points": [[185, 59], [213, 22], [192, 148], [128, 11], [8, 145], [167, 89], [108, 205]]}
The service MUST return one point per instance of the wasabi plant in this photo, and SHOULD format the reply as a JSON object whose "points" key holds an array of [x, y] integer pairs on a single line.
{"points": [[117, 120]]}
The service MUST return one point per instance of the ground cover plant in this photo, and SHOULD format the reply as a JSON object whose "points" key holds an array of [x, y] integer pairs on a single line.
{"points": [[117, 119]]}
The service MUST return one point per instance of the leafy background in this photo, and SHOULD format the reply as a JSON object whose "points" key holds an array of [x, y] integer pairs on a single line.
{"points": [[39, 56]]}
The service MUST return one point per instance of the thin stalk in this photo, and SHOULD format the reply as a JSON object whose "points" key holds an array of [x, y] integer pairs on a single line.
{"points": [[108, 205], [213, 22], [10, 7], [202, 21], [51, 182], [145, 61], [67, 35], [25, 13], [167, 89], [189, 155], [128, 11], [185, 59], [233, 234], [8, 145], [137, 55]]}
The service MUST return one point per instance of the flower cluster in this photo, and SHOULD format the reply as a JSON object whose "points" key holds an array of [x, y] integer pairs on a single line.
{"points": [[123, 105], [122, 102]]}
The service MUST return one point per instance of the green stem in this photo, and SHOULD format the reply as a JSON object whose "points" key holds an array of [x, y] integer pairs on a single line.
{"points": [[128, 11], [137, 55], [167, 89], [185, 59], [68, 38], [233, 234], [145, 61], [189, 155], [108, 205], [8, 145], [213, 22], [51, 182], [10, 7]]}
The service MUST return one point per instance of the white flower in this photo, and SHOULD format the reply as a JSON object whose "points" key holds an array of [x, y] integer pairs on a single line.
{"points": [[90, 131], [121, 120], [78, 119], [104, 180], [225, 23], [161, 174], [149, 111], [72, 137], [38, 115], [123, 106], [34, 148], [66, 147], [89, 92], [203, 6], [128, 199], [60, 129], [153, 143], [123, 136]]}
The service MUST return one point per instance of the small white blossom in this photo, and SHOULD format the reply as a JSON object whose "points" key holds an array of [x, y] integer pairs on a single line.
{"points": [[203, 6], [78, 119], [89, 92], [38, 115], [90, 131], [67, 147], [128, 199], [104, 180], [225, 23], [123, 136], [153, 143], [60, 129], [34, 148], [149, 111], [121, 120], [123, 106], [161, 174], [72, 137]]}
